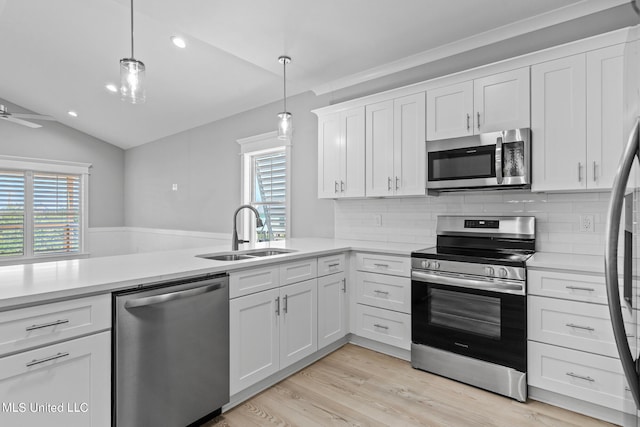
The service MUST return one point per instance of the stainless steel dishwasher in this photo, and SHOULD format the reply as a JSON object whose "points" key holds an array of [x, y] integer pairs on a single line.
{"points": [[171, 352]]}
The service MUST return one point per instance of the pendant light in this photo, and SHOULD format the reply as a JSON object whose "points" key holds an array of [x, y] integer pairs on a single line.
{"points": [[284, 118], [132, 75]]}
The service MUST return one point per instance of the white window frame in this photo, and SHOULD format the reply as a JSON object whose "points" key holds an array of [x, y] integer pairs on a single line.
{"points": [[249, 147], [29, 166]]}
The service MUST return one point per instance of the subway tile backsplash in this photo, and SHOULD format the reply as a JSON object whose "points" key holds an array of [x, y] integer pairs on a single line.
{"points": [[413, 219]]}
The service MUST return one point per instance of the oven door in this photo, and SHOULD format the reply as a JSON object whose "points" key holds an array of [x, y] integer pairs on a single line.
{"points": [[463, 167], [483, 324]]}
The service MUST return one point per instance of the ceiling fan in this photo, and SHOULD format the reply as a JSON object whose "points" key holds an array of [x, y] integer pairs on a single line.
{"points": [[18, 117]]}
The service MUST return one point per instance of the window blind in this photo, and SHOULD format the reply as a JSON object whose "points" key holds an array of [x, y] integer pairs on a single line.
{"points": [[12, 213], [269, 196], [56, 213]]}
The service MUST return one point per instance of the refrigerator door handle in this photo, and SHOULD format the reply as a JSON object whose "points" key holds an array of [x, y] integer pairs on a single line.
{"points": [[611, 261]]}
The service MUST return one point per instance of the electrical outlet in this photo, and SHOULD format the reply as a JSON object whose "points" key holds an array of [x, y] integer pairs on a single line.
{"points": [[174, 187], [586, 223], [377, 220]]}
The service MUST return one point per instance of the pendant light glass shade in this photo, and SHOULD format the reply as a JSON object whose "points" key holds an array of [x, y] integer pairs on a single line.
{"points": [[285, 125], [132, 74], [132, 80]]}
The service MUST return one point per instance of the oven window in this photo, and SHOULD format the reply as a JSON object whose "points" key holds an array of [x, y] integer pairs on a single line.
{"points": [[463, 163], [470, 313]]}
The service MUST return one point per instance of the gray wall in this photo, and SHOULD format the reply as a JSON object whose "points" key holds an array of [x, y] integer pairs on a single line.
{"points": [[205, 164], [55, 141]]}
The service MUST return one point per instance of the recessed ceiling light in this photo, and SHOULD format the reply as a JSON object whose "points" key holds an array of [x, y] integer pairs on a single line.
{"points": [[72, 113], [111, 88], [179, 42]]}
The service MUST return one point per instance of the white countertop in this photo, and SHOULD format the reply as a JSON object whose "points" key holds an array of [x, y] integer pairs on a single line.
{"points": [[572, 262], [28, 284]]}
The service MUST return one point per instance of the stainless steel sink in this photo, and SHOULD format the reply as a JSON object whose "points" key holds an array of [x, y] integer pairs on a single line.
{"points": [[248, 254]]}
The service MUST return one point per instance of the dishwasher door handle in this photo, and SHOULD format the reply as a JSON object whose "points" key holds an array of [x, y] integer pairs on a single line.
{"points": [[172, 296]]}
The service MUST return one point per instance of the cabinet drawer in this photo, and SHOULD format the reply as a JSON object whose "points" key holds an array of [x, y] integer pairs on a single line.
{"points": [[44, 324], [386, 326], [578, 287], [585, 376], [331, 264], [255, 280], [298, 271], [384, 291], [386, 264], [578, 325]]}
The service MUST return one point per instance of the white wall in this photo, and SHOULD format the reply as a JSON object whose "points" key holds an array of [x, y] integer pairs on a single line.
{"points": [[55, 141]]}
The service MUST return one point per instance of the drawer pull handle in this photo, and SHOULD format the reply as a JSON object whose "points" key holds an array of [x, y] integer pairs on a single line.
{"points": [[380, 326], [571, 374], [586, 328], [46, 325], [344, 286], [382, 265], [459, 344], [47, 359], [381, 292], [580, 288], [334, 265]]}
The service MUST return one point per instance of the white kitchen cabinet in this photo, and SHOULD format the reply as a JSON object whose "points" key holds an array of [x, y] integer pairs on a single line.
{"points": [[332, 308], [386, 326], [385, 264], [341, 157], [395, 147], [331, 264], [63, 384], [384, 291], [298, 321], [492, 103], [576, 120]]}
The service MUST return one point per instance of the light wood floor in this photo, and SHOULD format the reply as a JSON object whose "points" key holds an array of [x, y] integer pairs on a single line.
{"points": [[358, 387]]}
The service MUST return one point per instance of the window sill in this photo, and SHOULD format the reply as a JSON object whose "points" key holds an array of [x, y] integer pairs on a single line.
{"points": [[43, 258]]}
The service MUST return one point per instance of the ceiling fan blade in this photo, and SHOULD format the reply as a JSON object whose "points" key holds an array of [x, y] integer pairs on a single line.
{"points": [[31, 116], [21, 122]]}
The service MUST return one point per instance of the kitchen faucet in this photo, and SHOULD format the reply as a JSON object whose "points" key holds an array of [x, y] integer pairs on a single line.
{"points": [[234, 240]]}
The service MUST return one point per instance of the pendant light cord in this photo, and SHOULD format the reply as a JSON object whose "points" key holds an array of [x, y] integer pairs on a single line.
{"points": [[132, 30], [284, 65]]}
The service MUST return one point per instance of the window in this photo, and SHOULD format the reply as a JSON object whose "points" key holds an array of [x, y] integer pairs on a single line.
{"points": [[265, 185], [42, 209]]}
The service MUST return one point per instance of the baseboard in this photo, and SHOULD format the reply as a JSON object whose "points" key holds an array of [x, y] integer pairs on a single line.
{"points": [[387, 349]]}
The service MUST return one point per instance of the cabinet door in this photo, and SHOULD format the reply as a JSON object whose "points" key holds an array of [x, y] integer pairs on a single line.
{"points": [[409, 155], [450, 111], [253, 344], [298, 321], [379, 149], [558, 124], [605, 139], [72, 378], [329, 148], [501, 101], [352, 152], [332, 318]]}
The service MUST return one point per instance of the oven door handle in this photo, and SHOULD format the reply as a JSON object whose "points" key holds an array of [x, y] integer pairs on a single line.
{"points": [[452, 279]]}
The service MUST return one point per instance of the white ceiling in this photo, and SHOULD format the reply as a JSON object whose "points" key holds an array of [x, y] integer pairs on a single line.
{"points": [[57, 55]]}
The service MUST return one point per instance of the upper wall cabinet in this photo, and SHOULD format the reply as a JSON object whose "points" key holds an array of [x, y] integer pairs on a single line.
{"points": [[395, 147], [493, 103], [576, 120], [341, 154]]}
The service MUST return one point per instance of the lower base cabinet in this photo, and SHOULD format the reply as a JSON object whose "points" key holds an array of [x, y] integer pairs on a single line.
{"points": [[332, 308], [66, 384]]}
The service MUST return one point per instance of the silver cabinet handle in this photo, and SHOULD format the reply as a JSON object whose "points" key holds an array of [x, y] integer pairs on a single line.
{"points": [[478, 119], [335, 186], [376, 291], [46, 359], [586, 328], [579, 172], [380, 326], [397, 183], [594, 171], [335, 264], [382, 265], [172, 296], [580, 288], [277, 300], [468, 123], [284, 301], [46, 325], [580, 377], [459, 344], [614, 213], [389, 183], [342, 186], [344, 286]]}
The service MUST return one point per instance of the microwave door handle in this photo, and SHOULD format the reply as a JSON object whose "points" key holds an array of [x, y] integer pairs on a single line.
{"points": [[499, 160], [611, 262]]}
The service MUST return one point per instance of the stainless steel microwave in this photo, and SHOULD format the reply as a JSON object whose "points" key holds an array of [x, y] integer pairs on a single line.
{"points": [[496, 160]]}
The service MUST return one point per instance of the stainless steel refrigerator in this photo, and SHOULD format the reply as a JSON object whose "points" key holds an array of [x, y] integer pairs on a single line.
{"points": [[622, 234]]}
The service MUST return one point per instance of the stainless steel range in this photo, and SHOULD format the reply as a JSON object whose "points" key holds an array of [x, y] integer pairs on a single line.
{"points": [[468, 302]]}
